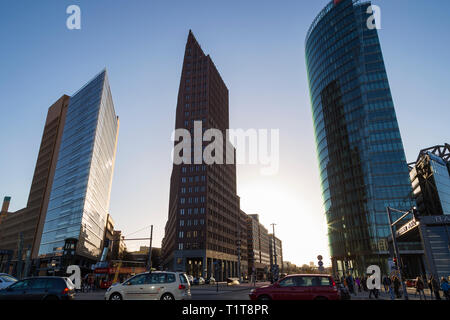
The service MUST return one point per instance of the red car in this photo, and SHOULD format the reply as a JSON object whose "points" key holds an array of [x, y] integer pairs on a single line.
{"points": [[299, 287]]}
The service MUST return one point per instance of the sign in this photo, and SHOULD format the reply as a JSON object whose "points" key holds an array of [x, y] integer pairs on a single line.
{"points": [[320, 263], [444, 219], [319, 257], [407, 227]]}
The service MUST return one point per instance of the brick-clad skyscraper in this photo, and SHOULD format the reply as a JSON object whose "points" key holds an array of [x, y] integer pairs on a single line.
{"points": [[202, 228]]}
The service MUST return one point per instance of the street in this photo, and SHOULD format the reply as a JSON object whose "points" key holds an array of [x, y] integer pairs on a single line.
{"points": [[202, 292]]}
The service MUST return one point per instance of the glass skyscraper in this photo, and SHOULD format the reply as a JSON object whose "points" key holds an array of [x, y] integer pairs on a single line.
{"points": [[362, 163], [79, 199]]}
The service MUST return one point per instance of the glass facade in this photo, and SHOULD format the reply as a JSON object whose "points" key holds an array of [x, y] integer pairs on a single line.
{"points": [[79, 199], [361, 159], [441, 175]]}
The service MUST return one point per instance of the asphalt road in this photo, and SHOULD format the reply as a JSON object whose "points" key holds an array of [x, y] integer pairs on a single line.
{"points": [[202, 292]]}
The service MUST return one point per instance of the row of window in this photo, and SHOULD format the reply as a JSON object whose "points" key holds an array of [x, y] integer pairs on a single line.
{"points": [[189, 211]]}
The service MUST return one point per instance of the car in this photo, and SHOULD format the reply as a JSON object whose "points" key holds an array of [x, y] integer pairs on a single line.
{"points": [[299, 287], [411, 283], [199, 281], [155, 285], [6, 280], [40, 288], [210, 280]]}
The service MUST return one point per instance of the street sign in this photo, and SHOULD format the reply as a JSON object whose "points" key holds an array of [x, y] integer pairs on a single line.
{"points": [[320, 263], [319, 257]]}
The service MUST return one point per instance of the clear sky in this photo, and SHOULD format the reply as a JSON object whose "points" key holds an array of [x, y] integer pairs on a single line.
{"points": [[257, 46]]}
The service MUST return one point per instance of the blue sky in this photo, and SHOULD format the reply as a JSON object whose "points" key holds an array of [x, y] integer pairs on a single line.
{"points": [[257, 46]]}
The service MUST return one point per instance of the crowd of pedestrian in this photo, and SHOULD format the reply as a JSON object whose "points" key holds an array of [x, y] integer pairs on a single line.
{"points": [[393, 286]]}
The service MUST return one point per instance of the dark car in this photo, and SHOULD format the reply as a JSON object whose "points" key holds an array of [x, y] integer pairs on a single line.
{"points": [[299, 287], [40, 288]]}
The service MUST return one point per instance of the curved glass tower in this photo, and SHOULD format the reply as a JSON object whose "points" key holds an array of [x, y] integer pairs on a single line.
{"points": [[361, 158]]}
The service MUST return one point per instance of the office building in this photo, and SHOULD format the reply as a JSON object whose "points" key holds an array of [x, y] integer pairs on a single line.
{"points": [[20, 231], [362, 163], [79, 198], [276, 252], [258, 243], [202, 228]]}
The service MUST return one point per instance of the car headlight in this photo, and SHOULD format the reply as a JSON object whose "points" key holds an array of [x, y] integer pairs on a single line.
{"points": [[252, 291]]}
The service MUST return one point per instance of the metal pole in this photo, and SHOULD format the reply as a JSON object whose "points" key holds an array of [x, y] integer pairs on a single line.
{"points": [[396, 252], [149, 264]]}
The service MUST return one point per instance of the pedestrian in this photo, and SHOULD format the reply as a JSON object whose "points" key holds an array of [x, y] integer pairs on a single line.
{"points": [[386, 283], [389, 283], [358, 283], [364, 283], [420, 288], [445, 288], [350, 284], [397, 286], [435, 287]]}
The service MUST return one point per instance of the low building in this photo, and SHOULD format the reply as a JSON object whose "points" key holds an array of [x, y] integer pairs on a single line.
{"points": [[258, 248], [428, 231]]}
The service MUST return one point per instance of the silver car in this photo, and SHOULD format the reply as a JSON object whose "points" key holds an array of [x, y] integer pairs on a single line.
{"points": [[156, 285], [6, 280]]}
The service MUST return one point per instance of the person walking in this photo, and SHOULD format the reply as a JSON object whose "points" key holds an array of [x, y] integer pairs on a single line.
{"points": [[389, 284], [435, 287], [397, 287], [445, 288], [419, 285], [386, 283], [351, 284], [358, 283]]}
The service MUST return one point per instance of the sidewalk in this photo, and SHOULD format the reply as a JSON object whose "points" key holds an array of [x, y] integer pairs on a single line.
{"points": [[386, 296]]}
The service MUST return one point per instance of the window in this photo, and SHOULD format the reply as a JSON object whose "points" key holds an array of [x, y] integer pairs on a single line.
{"points": [[180, 246], [181, 235], [155, 278], [39, 283], [136, 280], [181, 223], [288, 282], [182, 212]]}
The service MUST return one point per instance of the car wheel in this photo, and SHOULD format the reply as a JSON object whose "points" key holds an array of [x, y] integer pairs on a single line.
{"points": [[167, 296], [264, 297], [115, 296]]}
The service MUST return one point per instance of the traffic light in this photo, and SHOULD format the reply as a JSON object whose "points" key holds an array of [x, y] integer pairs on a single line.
{"points": [[395, 263]]}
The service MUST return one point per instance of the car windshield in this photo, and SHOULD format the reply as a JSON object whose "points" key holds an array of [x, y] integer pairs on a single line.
{"points": [[8, 278]]}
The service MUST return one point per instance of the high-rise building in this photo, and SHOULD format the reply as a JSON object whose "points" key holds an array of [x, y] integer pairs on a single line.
{"points": [[362, 163], [20, 231], [79, 198], [202, 227]]}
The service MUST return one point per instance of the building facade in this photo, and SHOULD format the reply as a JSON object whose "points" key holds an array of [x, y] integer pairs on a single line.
{"points": [[360, 152], [258, 243], [79, 197], [430, 178], [276, 252], [21, 231], [202, 228]]}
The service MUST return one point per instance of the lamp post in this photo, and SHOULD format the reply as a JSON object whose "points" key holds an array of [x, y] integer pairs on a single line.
{"points": [[395, 244]]}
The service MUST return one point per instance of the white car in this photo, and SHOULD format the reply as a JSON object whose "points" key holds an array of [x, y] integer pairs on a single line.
{"points": [[6, 280], [156, 285]]}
